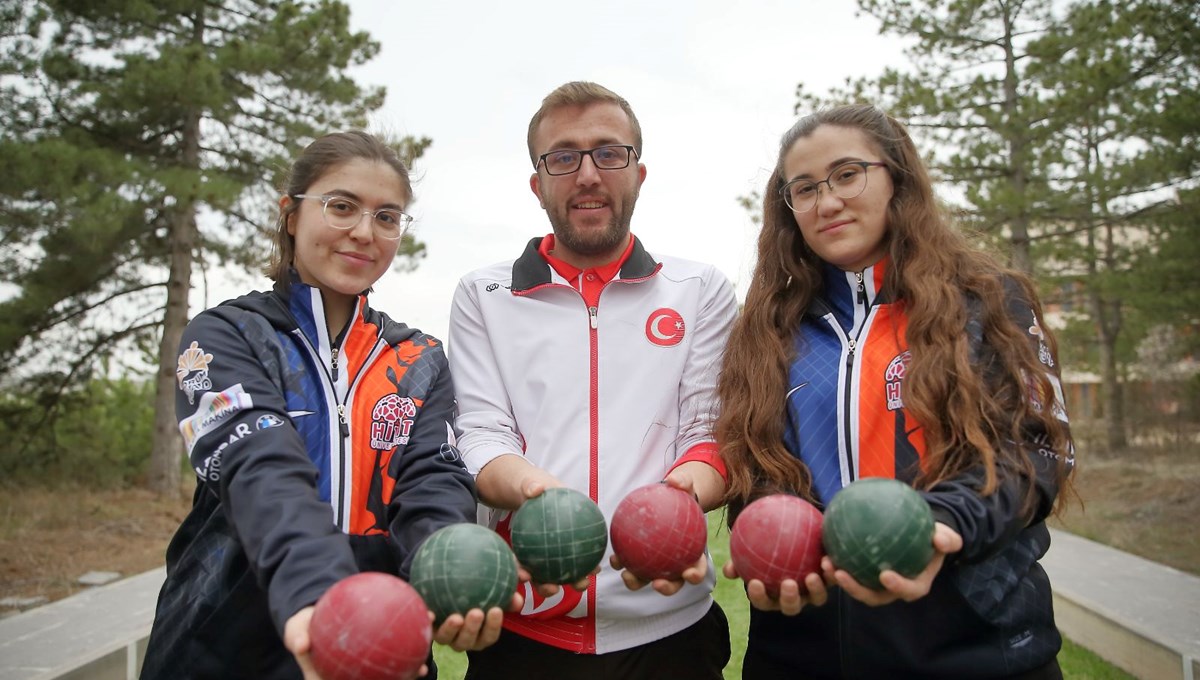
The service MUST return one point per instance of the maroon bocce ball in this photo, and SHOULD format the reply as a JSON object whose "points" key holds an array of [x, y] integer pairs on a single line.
{"points": [[776, 538], [370, 626], [657, 531]]}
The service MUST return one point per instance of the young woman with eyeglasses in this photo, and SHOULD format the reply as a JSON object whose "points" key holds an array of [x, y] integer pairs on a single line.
{"points": [[875, 341], [319, 430]]}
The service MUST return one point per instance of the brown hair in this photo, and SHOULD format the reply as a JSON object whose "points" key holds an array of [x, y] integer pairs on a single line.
{"points": [[317, 159], [934, 272], [582, 93]]}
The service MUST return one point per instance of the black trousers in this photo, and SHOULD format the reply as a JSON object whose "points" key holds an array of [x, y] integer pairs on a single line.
{"points": [[758, 668], [698, 652]]}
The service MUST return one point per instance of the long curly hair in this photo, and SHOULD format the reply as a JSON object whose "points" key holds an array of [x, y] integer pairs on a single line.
{"points": [[967, 420]]}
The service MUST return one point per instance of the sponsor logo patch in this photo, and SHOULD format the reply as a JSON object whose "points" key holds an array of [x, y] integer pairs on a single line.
{"points": [[665, 327], [191, 371], [893, 380], [210, 467], [214, 407], [268, 420], [392, 421], [1044, 354]]}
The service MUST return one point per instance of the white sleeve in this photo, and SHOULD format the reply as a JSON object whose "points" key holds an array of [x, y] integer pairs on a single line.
{"points": [[698, 406], [485, 414]]}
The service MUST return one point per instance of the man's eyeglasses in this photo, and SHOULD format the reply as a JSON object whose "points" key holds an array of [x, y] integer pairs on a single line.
{"points": [[566, 161], [344, 213], [846, 181]]}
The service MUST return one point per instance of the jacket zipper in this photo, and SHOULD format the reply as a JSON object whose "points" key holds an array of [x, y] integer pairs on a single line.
{"points": [[593, 453], [341, 408], [344, 408], [847, 407], [844, 622], [594, 398], [860, 297], [343, 419]]}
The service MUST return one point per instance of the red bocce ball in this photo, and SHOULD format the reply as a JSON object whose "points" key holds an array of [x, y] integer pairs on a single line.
{"points": [[370, 626], [777, 538], [657, 531]]}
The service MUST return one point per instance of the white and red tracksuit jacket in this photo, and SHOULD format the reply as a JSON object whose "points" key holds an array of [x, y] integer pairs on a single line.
{"points": [[606, 398]]}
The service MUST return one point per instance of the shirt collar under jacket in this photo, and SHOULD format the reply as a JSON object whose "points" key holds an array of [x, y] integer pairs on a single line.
{"points": [[576, 276], [531, 270]]}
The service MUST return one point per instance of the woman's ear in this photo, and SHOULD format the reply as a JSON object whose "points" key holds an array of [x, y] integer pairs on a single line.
{"points": [[285, 202]]}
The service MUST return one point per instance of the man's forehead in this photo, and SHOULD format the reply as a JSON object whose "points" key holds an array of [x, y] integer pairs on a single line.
{"points": [[583, 126]]}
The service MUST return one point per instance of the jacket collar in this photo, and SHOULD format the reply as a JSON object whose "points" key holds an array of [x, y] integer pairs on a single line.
{"points": [[840, 292], [531, 269]]}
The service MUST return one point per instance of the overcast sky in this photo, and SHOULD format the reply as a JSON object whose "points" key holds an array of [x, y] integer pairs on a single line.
{"points": [[712, 83]]}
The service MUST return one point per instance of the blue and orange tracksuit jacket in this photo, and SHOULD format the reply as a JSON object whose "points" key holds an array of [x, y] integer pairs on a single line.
{"points": [[316, 458], [989, 612]]}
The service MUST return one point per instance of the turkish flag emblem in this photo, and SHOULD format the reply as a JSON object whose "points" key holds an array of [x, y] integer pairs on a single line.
{"points": [[665, 327]]}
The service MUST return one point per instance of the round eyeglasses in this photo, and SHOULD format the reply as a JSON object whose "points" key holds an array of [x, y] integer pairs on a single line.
{"points": [[846, 181], [567, 161], [345, 214]]}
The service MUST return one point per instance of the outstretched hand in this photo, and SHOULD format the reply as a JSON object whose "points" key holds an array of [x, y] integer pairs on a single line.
{"points": [[791, 598], [474, 631], [897, 587], [667, 586], [297, 641]]}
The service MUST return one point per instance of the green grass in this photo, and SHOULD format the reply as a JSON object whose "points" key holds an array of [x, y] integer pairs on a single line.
{"points": [[1077, 662], [1082, 664], [451, 664]]}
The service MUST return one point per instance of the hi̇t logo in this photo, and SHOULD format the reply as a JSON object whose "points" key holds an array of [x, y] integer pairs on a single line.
{"points": [[665, 327], [193, 360], [392, 421], [893, 378]]}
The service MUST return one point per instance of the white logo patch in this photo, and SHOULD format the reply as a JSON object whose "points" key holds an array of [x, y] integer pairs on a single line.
{"points": [[214, 407]]}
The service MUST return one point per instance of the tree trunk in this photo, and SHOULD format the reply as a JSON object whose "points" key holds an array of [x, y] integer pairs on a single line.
{"points": [[1015, 133], [1106, 314], [1114, 405], [166, 444], [1110, 322]]}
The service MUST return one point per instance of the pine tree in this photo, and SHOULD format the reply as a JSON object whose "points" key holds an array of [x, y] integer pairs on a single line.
{"points": [[146, 139], [1119, 79]]}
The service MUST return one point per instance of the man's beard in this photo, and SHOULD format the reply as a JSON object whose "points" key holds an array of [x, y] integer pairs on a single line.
{"points": [[592, 242]]}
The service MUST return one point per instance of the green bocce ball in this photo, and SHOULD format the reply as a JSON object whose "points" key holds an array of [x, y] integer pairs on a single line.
{"points": [[559, 536], [462, 567], [876, 524]]}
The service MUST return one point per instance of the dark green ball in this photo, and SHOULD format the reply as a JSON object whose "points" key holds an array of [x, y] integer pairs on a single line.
{"points": [[462, 567], [876, 524], [559, 536]]}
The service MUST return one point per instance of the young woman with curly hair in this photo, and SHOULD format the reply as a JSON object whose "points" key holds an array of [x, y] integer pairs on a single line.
{"points": [[876, 341]]}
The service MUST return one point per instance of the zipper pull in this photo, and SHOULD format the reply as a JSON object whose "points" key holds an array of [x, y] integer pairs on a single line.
{"points": [[862, 288], [592, 316], [342, 419], [334, 363], [851, 345]]}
